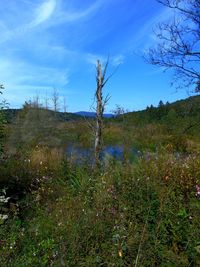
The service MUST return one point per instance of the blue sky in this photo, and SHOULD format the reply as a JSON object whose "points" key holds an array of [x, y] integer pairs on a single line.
{"points": [[48, 44]]}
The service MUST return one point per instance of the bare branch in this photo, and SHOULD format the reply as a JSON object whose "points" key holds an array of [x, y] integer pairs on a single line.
{"points": [[1, 88], [178, 45]]}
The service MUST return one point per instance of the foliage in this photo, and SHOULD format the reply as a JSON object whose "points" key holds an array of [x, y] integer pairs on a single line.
{"points": [[146, 214], [142, 211]]}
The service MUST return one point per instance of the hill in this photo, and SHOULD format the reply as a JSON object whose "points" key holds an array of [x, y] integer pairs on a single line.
{"points": [[182, 115], [11, 114]]}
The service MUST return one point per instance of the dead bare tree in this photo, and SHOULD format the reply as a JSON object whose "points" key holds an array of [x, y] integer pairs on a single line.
{"points": [[55, 100], [101, 102], [64, 104], [46, 101], [178, 45], [1, 88], [36, 102]]}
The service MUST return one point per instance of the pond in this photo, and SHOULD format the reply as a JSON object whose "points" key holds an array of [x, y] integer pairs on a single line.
{"points": [[80, 154]]}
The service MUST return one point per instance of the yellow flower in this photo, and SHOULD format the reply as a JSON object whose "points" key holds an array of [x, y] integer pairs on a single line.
{"points": [[120, 253]]}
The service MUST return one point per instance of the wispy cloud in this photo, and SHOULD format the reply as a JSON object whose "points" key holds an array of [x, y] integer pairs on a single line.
{"points": [[22, 73], [43, 12], [22, 79], [69, 16], [118, 60], [47, 42], [144, 37], [46, 14]]}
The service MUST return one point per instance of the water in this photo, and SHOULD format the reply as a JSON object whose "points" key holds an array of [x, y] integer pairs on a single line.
{"points": [[80, 154]]}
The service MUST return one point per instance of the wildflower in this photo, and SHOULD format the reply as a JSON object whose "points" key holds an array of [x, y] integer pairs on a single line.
{"points": [[45, 177], [3, 199], [166, 177], [120, 253], [38, 197], [198, 191], [112, 210], [3, 217], [110, 190]]}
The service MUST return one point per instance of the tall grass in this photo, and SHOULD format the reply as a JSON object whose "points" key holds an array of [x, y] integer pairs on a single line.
{"points": [[140, 214]]}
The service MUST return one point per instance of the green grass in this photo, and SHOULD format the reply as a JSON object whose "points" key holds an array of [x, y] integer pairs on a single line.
{"points": [[144, 214]]}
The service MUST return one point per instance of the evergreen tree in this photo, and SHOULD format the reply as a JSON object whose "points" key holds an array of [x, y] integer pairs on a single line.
{"points": [[161, 104]]}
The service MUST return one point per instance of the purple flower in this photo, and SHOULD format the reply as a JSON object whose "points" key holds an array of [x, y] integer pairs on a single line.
{"points": [[198, 191]]}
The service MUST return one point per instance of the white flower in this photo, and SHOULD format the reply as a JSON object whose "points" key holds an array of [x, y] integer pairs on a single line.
{"points": [[3, 217], [4, 199]]}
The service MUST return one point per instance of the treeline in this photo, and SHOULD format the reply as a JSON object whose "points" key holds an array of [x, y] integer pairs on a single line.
{"points": [[180, 116]]}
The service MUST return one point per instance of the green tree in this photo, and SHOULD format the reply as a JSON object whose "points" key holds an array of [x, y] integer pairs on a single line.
{"points": [[171, 120], [33, 125], [161, 104]]}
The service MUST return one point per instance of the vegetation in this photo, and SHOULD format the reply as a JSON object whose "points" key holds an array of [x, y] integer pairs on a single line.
{"points": [[142, 211], [90, 209]]}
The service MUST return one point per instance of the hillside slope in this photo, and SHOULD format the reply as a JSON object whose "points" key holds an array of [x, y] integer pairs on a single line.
{"points": [[182, 115]]}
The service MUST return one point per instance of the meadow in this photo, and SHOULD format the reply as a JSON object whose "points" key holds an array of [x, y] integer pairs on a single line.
{"points": [[140, 211]]}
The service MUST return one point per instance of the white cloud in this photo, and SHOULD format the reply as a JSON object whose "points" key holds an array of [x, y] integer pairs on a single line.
{"points": [[118, 60], [114, 60], [73, 16], [15, 72], [92, 58], [22, 79], [145, 37], [44, 12], [32, 61], [47, 14]]}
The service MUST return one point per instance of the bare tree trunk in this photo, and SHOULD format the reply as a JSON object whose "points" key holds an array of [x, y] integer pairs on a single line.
{"points": [[46, 101], [101, 102], [36, 102], [99, 113], [55, 100], [64, 105]]}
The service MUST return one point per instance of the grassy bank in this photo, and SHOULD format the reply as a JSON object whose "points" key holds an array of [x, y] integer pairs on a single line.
{"points": [[57, 213], [144, 214]]}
